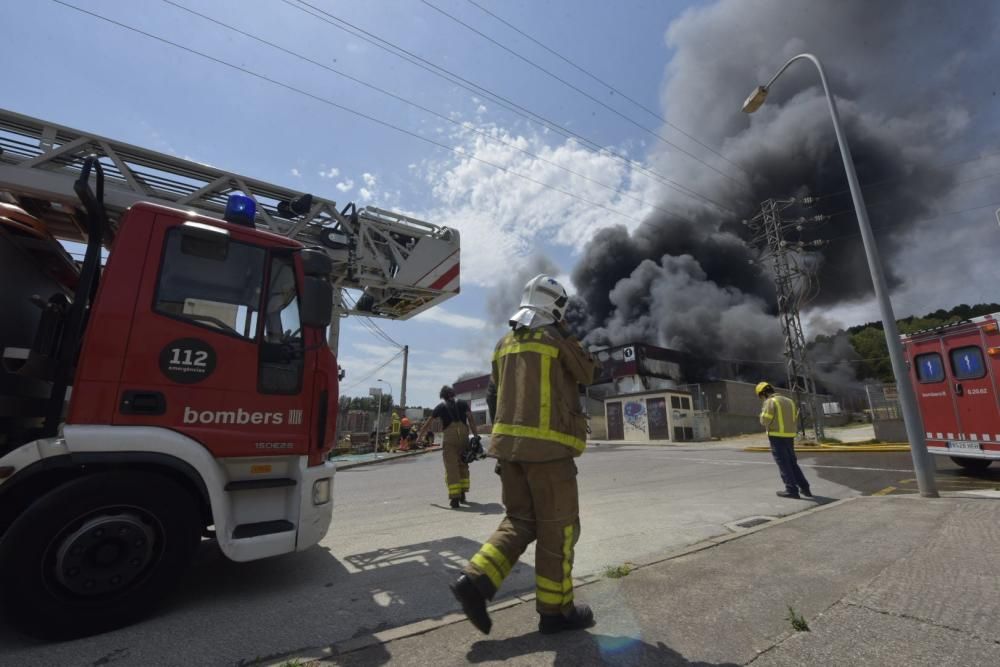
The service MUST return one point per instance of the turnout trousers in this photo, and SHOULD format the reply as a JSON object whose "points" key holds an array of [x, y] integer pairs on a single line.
{"points": [[542, 504], [783, 451], [456, 472]]}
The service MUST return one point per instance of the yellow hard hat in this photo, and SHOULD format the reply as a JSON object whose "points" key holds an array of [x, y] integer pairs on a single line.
{"points": [[762, 387]]}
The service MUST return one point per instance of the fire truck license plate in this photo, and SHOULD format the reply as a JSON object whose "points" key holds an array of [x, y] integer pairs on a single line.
{"points": [[964, 444]]}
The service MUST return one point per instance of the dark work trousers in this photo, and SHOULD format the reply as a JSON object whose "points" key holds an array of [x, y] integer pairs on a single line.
{"points": [[783, 450]]}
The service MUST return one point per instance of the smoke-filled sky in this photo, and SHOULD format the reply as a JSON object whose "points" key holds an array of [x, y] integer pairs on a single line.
{"points": [[916, 82], [916, 85]]}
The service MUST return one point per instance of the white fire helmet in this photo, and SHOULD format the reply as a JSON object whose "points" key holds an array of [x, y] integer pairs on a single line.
{"points": [[543, 302]]}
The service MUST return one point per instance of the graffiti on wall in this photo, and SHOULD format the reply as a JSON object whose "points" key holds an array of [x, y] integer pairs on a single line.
{"points": [[635, 415]]}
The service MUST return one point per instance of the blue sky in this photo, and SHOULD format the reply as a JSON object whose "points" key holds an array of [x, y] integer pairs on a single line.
{"points": [[692, 62], [94, 76]]}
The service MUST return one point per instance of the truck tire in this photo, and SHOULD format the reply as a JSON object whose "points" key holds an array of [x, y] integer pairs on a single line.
{"points": [[972, 464], [96, 553]]}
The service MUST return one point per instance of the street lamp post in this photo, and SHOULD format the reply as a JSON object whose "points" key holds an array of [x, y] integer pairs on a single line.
{"points": [[378, 424], [923, 465]]}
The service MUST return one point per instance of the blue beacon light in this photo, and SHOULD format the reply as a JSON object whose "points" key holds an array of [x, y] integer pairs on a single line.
{"points": [[240, 210]]}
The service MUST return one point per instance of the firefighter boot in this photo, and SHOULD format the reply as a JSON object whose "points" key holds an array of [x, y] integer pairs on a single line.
{"points": [[454, 503], [579, 617], [473, 603], [462, 498]]}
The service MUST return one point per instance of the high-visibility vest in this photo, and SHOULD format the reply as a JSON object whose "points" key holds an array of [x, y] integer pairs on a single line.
{"points": [[394, 428], [782, 415], [536, 375]]}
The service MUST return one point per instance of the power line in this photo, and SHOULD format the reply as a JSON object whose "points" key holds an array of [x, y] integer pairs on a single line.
{"points": [[286, 86], [655, 135], [618, 92], [885, 181], [427, 110], [370, 324], [500, 100], [946, 214], [373, 373]]}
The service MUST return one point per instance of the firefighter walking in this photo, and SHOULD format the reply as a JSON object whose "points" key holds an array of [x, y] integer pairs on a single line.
{"points": [[456, 423], [538, 430], [779, 416]]}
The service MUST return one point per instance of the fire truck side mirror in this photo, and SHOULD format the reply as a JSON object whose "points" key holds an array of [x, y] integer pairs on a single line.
{"points": [[317, 302]]}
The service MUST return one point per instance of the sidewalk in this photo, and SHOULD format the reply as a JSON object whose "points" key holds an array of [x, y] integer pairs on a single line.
{"points": [[880, 581], [347, 461]]}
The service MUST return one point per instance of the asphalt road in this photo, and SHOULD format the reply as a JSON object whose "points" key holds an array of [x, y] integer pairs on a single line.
{"points": [[395, 544]]}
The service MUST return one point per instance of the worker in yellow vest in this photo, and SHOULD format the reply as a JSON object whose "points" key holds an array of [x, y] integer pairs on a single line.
{"points": [[538, 429], [394, 430], [779, 417]]}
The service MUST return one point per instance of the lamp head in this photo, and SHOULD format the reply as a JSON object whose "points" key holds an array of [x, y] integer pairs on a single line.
{"points": [[755, 100]]}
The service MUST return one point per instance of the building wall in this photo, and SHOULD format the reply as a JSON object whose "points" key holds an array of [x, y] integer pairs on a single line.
{"points": [[637, 412]]}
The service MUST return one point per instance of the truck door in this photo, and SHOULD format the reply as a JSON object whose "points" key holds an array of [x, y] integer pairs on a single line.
{"points": [[972, 386], [934, 393], [216, 349]]}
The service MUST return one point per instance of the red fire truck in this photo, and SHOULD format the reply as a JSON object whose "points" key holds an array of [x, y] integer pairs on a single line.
{"points": [[186, 387], [954, 370]]}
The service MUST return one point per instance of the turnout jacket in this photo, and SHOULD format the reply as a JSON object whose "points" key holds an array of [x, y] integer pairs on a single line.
{"points": [[534, 396], [779, 416]]}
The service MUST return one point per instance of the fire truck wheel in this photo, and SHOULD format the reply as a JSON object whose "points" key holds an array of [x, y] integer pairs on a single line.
{"points": [[96, 553], [972, 464]]}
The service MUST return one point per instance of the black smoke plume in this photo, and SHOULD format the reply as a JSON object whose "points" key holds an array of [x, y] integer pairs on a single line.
{"points": [[901, 72]]}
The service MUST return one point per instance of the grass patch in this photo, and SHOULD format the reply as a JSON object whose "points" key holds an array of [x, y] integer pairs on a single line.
{"points": [[799, 624], [618, 571]]}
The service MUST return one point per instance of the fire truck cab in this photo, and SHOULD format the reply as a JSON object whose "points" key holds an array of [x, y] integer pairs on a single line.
{"points": [[954, 370], [178, 381]]}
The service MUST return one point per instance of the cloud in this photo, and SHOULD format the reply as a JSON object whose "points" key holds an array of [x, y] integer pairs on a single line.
{"points": [[439, 315], [504, 217], [369, 179], [332, 172], [345, 185], [296, 173]]}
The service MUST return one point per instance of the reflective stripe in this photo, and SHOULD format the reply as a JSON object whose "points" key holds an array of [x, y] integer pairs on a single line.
{"points": [[465, 484], [483, 563], [554, 599], [539, 434], [769, 415], [495, 555], [545, 404], [780, 406], [544, 583], [518, 348]]}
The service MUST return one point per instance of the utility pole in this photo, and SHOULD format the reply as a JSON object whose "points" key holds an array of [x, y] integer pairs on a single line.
{"points": [[794, 284], [402, 387]]}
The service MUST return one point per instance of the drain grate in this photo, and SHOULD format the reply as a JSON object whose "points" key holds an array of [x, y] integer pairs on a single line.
{"points": [[750, 523]]}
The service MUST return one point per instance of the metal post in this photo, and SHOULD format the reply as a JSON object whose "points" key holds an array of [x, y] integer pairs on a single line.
{"points": [[333, 333], [402, 386], [923, 465], [380, 410], [378, 423]]}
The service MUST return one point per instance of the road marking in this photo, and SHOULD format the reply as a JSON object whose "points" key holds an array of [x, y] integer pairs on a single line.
{"points": [[730, 462], [884, 492]]}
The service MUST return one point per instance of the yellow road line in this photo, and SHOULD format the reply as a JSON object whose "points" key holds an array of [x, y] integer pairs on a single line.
{"points": [[884, 492]]}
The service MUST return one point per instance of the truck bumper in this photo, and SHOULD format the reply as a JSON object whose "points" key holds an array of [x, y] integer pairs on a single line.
{"points": [[315, 504]]}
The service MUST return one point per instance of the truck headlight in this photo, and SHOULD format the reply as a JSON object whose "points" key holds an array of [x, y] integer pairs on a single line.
{"points": [[321, 491]]}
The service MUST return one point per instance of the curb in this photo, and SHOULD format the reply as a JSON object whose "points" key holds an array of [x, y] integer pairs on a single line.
{"points": [[394, 457], [341, 648], [889, 447]]}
